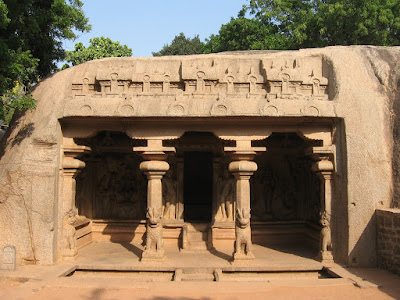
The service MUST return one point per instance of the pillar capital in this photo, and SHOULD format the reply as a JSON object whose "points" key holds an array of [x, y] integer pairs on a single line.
{"points": [[72, 165], [154, 150], [73, 150], [243, 168], [324, 168], [154, 169], [243, 150], [325, 153]]}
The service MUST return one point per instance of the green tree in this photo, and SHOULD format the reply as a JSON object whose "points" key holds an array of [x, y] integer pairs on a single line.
{"points": [[31, 35], [246, 34], [181, 45], [99, 47], [317, 23]]}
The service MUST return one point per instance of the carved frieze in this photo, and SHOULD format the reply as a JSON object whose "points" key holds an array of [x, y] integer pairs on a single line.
{"points": [[196, 86], [290, 79]]}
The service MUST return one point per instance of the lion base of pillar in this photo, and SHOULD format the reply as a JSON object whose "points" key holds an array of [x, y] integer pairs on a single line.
{"points": [[242, 258], [153, 256], [69, 254], [325, 257]]}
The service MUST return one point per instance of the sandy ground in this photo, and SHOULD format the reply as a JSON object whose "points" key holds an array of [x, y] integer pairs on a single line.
{"points": [[50, 282], [387, 286]]}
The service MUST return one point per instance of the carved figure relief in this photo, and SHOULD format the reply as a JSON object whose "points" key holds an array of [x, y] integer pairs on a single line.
{"points": [[121, 189], [243, 245], [169, 186], [226, 195], [111, 186], [284, 187], [275, 190]]}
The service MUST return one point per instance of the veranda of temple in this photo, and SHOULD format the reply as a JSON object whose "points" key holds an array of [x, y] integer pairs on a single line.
{"points": [[201, 152]]}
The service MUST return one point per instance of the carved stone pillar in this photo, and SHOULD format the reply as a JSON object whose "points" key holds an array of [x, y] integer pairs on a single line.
{"points": [[324, 167], [154, 167], [71, 166], [242, 168]]}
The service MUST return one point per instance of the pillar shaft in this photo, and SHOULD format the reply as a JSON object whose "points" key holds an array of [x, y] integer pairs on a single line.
{"points": [[326, 197], [155, 168], [242, 192], [243, 168], [324, 168]]}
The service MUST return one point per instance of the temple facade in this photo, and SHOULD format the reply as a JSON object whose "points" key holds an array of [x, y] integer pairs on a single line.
{"points": [[198, 152]]}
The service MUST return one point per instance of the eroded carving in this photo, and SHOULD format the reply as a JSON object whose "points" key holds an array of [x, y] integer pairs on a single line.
{"points": [[226, 194], [8, 258], [292, 79], [169, 187], [220, 108], [274, 79], [126, 110], [325, 238], [243, 246], [284, 187], [111, 186], [69, 234], [154, 242]]}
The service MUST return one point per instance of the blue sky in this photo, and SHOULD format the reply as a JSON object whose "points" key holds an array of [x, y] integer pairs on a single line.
{"points": [[145, 26]]}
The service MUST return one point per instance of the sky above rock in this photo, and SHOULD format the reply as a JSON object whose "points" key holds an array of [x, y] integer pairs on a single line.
{"points": [[146, 26]]}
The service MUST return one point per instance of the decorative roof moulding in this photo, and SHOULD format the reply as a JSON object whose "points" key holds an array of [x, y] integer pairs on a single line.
{"points": [[204, 87]]}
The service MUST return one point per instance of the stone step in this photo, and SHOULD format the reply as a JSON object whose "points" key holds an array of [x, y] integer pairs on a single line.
{"points": [[194, 274], [197, 237], [198, 277], [198, 245]]}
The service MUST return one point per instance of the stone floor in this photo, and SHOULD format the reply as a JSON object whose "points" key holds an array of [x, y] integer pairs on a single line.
{"points": [[138, 280], [106, 255]]}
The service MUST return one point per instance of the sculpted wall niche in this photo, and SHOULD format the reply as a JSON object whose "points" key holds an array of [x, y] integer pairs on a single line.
{"points": [[226, 187], [111, 186], [284, 188]]}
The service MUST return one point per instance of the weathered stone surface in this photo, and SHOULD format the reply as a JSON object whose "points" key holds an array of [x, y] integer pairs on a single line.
{"points": [[345, 97], [8, 258], [388, 239]]}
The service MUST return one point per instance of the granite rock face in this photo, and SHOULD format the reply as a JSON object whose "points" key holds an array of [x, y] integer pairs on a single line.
{"points": [[346, 97]]}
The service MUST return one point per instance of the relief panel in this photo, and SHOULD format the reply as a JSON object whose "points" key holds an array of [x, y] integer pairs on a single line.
{"points": [[284, 187], [111, 186]]}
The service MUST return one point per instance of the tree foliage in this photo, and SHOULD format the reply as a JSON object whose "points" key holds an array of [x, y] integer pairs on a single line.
{"points": [[99, 47], [181, 45], [295, 24], [245, 34], [317, 23], [31, 35]]}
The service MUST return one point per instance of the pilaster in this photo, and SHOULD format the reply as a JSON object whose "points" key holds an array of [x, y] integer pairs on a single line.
{"points": [[71, 166]]}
